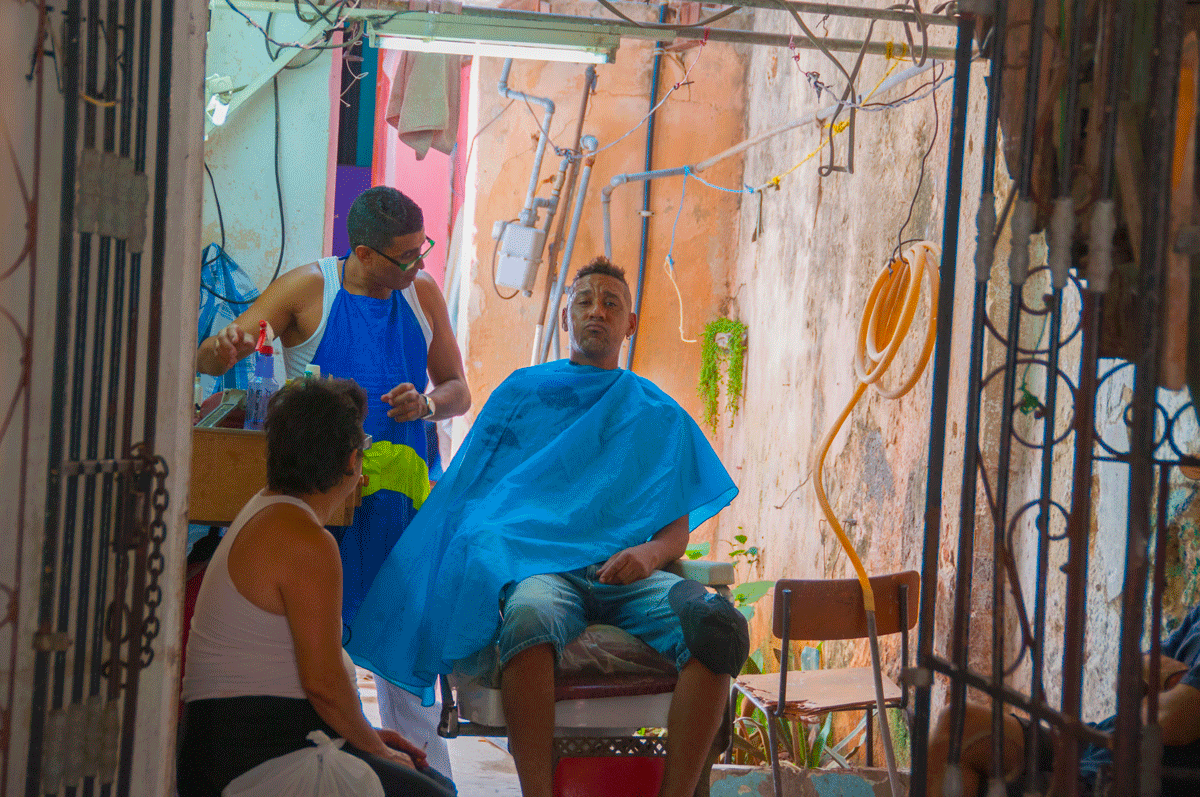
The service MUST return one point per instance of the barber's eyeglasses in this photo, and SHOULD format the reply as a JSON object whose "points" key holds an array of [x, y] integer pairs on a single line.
{"points": [[366, 443], [406, 265]]}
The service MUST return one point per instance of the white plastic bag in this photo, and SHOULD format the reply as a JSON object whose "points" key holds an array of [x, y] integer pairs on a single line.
{"points": [[321, 771]]}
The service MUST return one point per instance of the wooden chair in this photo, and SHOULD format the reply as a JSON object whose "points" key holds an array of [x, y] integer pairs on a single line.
{"points": [[824, 609]]}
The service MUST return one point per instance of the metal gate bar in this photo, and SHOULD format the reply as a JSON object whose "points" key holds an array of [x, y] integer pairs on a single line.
{"points": [[941, 385], [104, 523], [1137, 754]]}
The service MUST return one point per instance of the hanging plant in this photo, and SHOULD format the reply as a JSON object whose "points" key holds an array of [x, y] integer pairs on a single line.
{"points": [[724, 342]]}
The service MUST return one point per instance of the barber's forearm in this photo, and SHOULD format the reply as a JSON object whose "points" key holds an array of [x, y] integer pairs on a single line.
{"points": [[452, 398], [207, 361]]}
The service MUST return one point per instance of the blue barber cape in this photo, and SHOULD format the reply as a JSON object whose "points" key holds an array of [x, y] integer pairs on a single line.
{"points": [[565, 465]]}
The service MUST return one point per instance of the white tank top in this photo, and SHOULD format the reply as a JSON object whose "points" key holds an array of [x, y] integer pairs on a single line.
{"points": [[236, 649], [296, 358]]}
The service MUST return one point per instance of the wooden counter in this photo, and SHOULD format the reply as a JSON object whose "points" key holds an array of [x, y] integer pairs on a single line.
{"points": [[228, 467]]}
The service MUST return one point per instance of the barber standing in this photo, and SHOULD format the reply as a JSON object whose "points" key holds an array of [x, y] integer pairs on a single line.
{"points": [[377, 318]]}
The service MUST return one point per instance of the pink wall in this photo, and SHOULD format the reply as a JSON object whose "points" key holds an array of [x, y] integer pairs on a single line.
{"points": [[427, 181]]}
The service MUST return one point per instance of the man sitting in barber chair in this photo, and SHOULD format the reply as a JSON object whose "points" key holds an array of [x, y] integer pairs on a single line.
{"points": [[578, 481]]}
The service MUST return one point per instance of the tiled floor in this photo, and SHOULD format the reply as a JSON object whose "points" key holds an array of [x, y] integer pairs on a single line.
{"points": [[481, 766]]}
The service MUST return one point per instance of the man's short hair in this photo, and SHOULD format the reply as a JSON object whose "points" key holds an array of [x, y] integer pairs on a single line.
{"points": [[600, 265], [381, 214], [313, 426]]}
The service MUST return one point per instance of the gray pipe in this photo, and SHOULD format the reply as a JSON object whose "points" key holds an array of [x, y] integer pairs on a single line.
{"points": [[552, 203], [590, 145], [529, 213], [621, 179]]}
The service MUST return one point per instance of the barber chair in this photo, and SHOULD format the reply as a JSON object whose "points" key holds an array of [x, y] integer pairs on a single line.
{"points": [[609, 687]]}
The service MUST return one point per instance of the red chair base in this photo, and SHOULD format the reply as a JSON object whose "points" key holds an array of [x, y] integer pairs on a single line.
{"points": [[626, 776]]}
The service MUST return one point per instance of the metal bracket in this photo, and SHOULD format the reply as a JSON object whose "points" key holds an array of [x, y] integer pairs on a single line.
{"points": [[52, 641], [113, 198], [285, 57]]}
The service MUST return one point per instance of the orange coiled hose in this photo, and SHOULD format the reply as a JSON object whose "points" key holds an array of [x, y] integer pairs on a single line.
{"points": [[886, 322]]}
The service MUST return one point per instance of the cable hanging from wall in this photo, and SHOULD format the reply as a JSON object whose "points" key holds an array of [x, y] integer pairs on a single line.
{"points": [[837, 128], [340, 24], [683, 81], [669, 260]]}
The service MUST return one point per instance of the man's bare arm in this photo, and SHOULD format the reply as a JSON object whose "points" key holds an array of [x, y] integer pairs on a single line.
{"points": [[1178, 705], [448, 380], [278, 305], [634, 564]]}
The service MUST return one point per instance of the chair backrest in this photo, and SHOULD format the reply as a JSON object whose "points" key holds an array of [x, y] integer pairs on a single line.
{"points": [[833, 608]]}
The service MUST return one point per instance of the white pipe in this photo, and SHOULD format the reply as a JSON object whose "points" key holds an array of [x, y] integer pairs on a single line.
{"points": [[823, 113], [589, 145], [529, 213]]}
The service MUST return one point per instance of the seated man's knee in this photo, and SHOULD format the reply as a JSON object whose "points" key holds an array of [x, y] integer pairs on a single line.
{"points": [[525, 623], [714, 631], [537, 610]]}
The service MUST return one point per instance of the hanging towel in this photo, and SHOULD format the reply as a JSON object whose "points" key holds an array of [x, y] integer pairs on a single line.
{"points": [[423, 106], [565, 465]]}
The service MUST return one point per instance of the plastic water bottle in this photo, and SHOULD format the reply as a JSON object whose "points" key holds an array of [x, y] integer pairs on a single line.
{"points": [[262, 382]]}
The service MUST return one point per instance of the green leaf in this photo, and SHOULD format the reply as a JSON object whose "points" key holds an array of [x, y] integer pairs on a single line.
{"points": [[749, 749], [740, 538], [697, 549], [751, 592], [818, 747], [785, 736]]}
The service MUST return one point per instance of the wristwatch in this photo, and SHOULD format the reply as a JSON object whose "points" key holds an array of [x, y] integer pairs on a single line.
{"points": [[430, 407]]}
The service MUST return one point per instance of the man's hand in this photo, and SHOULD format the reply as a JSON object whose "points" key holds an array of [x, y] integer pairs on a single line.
{"points": [[406, 403], [233, 343], [627, 566], [412, 756]]}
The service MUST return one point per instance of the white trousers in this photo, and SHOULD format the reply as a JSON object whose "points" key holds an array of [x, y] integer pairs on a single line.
{"points": [[402, 711]]}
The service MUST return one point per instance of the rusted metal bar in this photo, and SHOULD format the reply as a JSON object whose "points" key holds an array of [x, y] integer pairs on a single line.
{"points": [[1160, 126], [940, 401]]}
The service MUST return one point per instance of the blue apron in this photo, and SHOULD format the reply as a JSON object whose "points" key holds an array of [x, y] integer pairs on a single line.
{"points": [[379, 344]]}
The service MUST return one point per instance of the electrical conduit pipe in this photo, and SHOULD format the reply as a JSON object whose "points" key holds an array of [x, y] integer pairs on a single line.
{"points": [[886, 321], [529, 211], [560, 178], [655, 73], [570, 165], [590, 145]]}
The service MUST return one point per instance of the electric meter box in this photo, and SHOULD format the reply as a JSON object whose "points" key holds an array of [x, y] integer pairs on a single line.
{"points": [[520, 255]]}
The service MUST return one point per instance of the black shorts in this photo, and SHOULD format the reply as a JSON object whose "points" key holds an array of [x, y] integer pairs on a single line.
{"points": [[222, 738]]}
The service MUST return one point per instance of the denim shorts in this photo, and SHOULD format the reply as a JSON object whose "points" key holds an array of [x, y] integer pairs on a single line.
{"points": [[556, 608]]}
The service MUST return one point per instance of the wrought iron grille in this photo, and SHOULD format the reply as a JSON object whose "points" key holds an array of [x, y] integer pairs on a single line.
{"points": [[108, 65], [1036, 437]]}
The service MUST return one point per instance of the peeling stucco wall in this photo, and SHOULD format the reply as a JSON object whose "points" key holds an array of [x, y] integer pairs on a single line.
{"points": [[801, 288], [698, 120]]}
